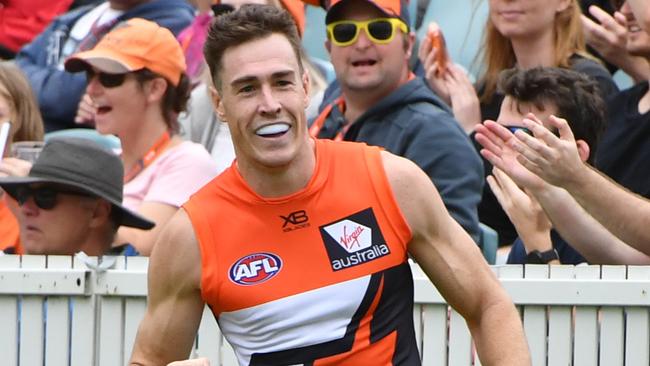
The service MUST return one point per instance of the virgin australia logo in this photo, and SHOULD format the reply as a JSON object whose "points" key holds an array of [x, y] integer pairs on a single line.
{"points": [[355, 240], [350, 235]]}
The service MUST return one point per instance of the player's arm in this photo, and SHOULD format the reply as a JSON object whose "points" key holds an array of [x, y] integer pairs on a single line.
{"points": [[174, 304], [455, 265]]}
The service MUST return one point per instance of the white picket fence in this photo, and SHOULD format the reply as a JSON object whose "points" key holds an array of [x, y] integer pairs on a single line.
{"points": [[56, 311]]}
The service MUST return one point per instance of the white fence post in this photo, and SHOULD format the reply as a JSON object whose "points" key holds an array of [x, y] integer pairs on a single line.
{"points": [[434, 334], [637, 326], [535, 319], [559, 324], [111, 323], [57, 332], [9, 316], [586, 324], [83, 343], [611, 323], [32, 342], [134, 308]]}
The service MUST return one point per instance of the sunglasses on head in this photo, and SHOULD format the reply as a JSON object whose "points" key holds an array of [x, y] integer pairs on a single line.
{"points": [[107, 80], [381, 30], [45, 197]]}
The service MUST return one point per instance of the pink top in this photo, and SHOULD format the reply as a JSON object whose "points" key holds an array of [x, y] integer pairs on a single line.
{"points": [[172, 178]]}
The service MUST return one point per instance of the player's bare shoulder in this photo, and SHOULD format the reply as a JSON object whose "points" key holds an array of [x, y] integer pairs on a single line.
{"points": [[404, 176], [416, 195]]}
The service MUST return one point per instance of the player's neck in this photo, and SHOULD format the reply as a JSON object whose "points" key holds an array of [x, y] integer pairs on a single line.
{"points": [[273, 182]]}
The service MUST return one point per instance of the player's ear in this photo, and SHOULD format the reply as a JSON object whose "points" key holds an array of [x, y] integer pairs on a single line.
{"points": [[306, 84], [583, 150], [217, 103]]}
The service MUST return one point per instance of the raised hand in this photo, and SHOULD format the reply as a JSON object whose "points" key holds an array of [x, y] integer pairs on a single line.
{"points": [[608, 36], [464, 100], [554, 159], [14, 167], [436, 80], [86, 111], [523, 209], [496, 140]]}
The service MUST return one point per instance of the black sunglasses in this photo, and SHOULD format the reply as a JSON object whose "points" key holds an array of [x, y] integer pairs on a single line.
{"points": [[514, 129], [107, 80], [45, 197]]}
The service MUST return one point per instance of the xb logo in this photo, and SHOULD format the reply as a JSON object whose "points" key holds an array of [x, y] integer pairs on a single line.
{"points": [[295, 220]]}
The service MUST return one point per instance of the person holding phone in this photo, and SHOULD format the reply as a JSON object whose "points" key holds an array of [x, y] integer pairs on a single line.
{"points": [[19, 110]]}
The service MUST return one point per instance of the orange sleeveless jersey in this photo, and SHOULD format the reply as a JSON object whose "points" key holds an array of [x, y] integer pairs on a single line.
{"points": [[319, 277]]}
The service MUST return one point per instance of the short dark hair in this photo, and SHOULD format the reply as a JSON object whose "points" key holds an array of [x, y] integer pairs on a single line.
{"points": [[248, 23], [576, 96], [175, 99]]}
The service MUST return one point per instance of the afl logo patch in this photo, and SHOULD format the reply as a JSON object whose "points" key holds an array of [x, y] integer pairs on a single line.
{"points": [[255, 268]]}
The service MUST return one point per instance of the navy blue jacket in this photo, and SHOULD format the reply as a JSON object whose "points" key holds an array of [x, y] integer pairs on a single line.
{"points": [[414, 123], [59, 92]]}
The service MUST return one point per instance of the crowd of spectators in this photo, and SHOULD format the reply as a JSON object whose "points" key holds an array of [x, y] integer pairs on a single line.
{"points": [[116, 66]]}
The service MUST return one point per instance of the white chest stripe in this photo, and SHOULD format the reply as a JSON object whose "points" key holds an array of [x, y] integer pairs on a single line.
{"points": [[313, 317]]}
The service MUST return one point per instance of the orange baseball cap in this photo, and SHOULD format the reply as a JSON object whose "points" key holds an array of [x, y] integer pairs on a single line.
{"points": [[133, 45], [295, 7], [297, 10], [392, 9]]}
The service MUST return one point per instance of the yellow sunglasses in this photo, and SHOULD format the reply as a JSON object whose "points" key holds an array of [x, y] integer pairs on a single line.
{"points": [[380, 30]]}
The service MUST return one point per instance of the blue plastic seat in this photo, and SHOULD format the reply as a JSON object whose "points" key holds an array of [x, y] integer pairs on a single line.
{"points": [[107, 141], [489, 242]]}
